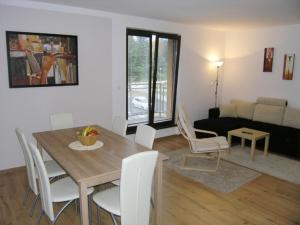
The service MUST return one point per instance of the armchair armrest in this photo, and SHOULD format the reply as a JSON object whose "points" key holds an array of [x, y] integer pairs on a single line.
{"points": [[206, 132], [205, 141]]}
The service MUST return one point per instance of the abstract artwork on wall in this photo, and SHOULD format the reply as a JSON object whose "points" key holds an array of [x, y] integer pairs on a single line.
{"points": [[40, 59], [288, 66], [268, 59]]}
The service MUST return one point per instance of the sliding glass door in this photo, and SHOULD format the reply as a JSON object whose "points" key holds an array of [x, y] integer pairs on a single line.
{"points": [[152, 68]]}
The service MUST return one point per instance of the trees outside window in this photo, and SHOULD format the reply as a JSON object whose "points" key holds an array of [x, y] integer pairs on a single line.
{"points": [[152, 69]]}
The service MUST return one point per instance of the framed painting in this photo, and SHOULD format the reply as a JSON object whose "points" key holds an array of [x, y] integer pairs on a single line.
{"points": [[288, 66], [268, 59], [40, 59]]}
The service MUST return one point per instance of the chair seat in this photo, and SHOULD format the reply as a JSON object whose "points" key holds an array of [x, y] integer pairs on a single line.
{"points": [[65, 190], [109, 200], [53, 169], [116, 182], [210, 144]]}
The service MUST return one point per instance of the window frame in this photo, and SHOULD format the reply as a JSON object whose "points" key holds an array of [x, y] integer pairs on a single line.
{"points": [[152, 88]]}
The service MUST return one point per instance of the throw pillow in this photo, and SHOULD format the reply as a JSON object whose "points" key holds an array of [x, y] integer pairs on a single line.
{"points": [[272, 101], [244, 109], [292, 118], [268, 114], [228, 110]]}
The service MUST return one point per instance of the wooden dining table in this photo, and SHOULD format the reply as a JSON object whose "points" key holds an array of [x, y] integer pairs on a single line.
{"points": [[95, 167]]}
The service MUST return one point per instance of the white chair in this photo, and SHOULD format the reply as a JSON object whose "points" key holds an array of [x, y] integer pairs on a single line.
{"points": [[145, 135], [52, 168], [201, 148], [61, 121], [130, 200], [63, 190], [119, 126]]}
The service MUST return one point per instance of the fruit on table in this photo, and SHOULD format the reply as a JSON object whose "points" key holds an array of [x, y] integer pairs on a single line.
{"points": [[88, 131]]}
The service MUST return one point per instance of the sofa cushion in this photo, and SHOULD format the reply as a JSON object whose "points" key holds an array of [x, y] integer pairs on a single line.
{"points": [[221, 125], [272, 101], [244, 109], [268, 113], [292, 118], [228, 110]]}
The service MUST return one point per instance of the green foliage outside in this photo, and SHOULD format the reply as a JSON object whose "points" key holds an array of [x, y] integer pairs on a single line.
{"points": [[139, 59]]}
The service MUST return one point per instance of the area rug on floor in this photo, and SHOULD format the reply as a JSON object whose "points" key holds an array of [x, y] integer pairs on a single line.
{"points": [[274, 165], [227, 178]]}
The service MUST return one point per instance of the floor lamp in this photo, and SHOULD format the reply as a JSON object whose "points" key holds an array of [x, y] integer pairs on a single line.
{"points": [[218, 64]]}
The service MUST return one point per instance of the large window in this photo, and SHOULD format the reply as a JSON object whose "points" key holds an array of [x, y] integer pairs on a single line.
{"points": [[152, 68]]}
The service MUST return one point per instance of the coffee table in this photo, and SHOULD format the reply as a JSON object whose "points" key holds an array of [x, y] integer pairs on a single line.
{"points": [[252, 135]]}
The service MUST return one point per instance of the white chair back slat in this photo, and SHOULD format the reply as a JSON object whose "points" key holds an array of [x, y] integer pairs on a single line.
{"points": [[29, 163], [135, 188], [61, 121], [145, 136], [44, 183], [120, 126], [185, 127]]}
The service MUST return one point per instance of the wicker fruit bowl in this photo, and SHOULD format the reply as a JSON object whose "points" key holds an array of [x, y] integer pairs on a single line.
{"points": [[88, 136]]}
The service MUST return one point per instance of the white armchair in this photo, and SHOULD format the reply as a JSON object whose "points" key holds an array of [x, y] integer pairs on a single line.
{"points": [[202, 148]]}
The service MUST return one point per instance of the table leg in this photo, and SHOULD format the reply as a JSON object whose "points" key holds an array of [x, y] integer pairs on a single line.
{"points": [[266, 145], [253, 146], [229, 142], [243, 142], [158, 192], [84, 213]]}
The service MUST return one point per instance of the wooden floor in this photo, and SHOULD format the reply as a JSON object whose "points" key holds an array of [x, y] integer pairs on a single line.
{"points": [[265, 200]]}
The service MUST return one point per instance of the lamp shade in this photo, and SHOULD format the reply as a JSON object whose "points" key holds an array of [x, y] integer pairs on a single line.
{"points": [[218, 63]]}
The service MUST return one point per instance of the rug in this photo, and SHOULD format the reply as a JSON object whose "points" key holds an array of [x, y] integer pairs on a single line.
{"points": [[227, 178], [274, 165]]}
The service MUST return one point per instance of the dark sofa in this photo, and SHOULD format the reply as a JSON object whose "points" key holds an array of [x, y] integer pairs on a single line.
{"points": [[283, 140]]}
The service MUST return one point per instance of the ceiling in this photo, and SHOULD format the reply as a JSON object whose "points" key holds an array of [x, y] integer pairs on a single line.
{"points": [[216, 14]]}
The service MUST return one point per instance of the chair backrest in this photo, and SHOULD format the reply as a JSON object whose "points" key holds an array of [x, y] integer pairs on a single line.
{"points": [[31, 175], [135, 188], [61, 121], [185, 123], [119, 125], [44, 183], [145, 135], [185, 126]]}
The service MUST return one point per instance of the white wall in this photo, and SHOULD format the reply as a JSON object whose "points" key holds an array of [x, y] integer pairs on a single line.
{"points": [[29, 108], [243, 76], [102, 70]]}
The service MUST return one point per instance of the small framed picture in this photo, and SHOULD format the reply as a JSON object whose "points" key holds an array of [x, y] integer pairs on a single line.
{"points": [[40, 59], [288, 66], [268, 59]]}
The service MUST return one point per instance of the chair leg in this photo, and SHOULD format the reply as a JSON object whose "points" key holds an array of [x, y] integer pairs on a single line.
{"points": [[152, 202], [113, 218], [60, 211], [77, 206], [52, 179], [33, 205], [38, 221], [98, 215], [218, 160], [26, 195], [90, 209], [201, 156]]}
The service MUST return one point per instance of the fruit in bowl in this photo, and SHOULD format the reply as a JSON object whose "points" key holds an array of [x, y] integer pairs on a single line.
{"points": [[88, 136]]}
